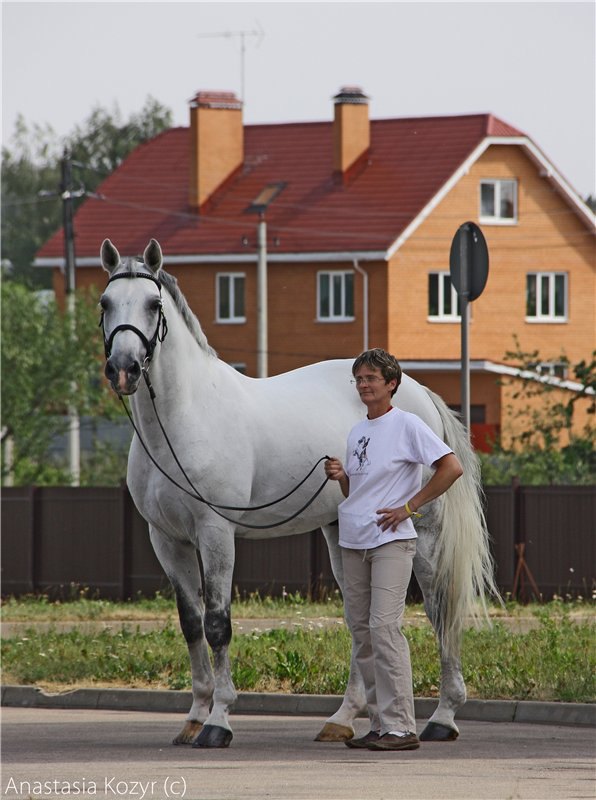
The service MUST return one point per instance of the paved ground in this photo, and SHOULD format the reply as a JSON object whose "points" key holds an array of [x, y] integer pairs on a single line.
{"points": [[108, 754]]}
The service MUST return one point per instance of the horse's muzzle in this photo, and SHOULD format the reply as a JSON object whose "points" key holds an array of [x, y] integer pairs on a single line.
{"points": [[124, 380]]}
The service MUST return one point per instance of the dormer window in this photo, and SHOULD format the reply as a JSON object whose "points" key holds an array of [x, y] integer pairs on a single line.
{"points": [[498, 202]]}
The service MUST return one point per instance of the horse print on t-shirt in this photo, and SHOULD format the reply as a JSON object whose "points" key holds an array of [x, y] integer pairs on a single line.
{"points": [[360, 452]]}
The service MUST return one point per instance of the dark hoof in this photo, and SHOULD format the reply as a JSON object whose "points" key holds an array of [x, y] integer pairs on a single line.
{"points": [[435, 732], [213, 736]]}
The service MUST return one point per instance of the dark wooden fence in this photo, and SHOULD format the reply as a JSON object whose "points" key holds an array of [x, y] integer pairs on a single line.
{"points": [[57, 540]]}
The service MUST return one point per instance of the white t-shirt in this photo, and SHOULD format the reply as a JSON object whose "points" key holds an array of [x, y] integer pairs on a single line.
{"points": [[384, 464]]}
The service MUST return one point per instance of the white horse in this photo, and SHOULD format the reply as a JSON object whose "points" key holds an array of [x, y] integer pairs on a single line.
{"points": [[241, 442]]}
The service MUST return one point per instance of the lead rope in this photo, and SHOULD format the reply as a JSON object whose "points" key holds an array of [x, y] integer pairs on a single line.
{"points": [[197, 495]]}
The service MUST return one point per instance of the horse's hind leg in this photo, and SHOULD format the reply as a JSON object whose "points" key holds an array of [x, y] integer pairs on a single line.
{"points": [[179, 561], [339, 727], [441, 726]]}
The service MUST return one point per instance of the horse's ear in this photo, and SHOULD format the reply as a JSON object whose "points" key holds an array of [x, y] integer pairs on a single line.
{"points": [[110, 257], [153, 257]]}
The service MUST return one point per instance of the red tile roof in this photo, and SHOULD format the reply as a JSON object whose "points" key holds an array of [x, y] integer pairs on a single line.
{"points": [[408, 162]]}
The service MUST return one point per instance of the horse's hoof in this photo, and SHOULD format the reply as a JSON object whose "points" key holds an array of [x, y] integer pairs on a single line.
{"points": [[331, 732], [190, 731], [435, 732], [213, 736]]}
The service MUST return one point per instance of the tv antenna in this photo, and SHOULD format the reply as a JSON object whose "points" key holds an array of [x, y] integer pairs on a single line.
{"points": [[242, 35]]}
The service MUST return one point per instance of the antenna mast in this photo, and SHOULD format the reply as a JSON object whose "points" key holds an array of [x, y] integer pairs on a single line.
{"points": [[242, 35]]}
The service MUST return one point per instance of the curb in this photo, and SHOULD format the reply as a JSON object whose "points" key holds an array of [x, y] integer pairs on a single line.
{"points": [[576, 714]]}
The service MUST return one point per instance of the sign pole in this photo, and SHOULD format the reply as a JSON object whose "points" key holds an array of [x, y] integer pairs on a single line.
{"points": [[464, 294], [465, 362], [468, 267]]}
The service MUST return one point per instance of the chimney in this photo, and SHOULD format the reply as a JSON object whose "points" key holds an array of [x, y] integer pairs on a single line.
{"points": [[216, 142], [351, 127]]}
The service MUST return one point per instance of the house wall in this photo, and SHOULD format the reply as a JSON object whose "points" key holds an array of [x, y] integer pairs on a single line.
{"points": [[295, 336], [548, 236], [484, 390]]}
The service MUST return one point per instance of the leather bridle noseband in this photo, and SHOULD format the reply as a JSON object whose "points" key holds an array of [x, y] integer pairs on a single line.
{"points": [[161, 328]]}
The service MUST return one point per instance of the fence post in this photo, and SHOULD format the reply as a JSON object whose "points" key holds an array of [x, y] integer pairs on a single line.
{"points": [[36, 534], [126, 539], [314, 563]]}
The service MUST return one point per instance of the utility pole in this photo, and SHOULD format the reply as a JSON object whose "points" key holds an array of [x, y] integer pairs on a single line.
{"points": [[259, 206], [262, 327], [66, 193]]}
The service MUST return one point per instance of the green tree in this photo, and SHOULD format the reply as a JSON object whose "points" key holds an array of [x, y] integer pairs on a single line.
{"points": [[547, 450], [40, 361], [31, 174]]}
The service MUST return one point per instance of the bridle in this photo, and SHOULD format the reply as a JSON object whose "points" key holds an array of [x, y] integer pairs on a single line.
{"points": [[161, 329], [159, 335]]}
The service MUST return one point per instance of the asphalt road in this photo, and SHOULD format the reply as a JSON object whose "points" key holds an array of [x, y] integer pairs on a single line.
{"points": [[105, 754]]}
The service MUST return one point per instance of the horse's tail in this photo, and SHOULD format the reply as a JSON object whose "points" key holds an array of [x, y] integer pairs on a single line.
{"points": [[464, 569]]}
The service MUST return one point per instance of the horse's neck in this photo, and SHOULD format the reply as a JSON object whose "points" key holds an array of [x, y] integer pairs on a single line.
{"points": [[185, 377]]}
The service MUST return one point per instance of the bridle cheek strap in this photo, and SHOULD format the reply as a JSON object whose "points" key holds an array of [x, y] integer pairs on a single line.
{"points": [[161, 328]]}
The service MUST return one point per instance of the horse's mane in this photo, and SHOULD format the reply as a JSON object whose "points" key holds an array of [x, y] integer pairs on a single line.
{"points": [[171, 285], [192, 323]]}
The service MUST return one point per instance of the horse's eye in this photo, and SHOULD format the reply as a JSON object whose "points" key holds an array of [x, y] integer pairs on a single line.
{"points": [[103, 303], [155, 304]]}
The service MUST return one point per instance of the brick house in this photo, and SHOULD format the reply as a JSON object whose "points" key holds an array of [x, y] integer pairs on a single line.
{"points": [[359, 223]]}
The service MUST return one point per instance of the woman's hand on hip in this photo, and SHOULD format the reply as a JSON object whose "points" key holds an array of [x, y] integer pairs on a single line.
{"points": [[391, 517]]}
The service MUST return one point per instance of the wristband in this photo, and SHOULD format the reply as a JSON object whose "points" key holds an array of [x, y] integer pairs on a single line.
{"points": [[410, 512]]}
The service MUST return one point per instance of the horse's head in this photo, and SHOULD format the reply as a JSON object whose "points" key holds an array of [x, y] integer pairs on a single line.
{"points": [[132, 314]]}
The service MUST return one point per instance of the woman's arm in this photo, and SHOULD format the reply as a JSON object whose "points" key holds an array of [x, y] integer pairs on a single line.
{"points": [[335, 472], [447, 471]]}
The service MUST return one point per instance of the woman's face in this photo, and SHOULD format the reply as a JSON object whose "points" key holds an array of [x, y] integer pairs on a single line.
{"points": [[371, 386]]}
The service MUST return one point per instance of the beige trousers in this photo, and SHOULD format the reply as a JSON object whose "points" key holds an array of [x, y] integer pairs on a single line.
{"points": [[375, 586]]}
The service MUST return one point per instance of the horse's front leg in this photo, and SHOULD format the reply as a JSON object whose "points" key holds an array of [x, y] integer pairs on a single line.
{"points": [[340, 726], [179, 561], [217, 554], [441, 727]]}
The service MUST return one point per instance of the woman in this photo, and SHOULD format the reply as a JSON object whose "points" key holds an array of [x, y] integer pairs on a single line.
{"points": [[382, 483]]}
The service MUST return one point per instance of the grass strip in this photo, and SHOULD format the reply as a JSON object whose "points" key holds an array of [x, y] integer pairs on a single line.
{"points": [[554, 661]]}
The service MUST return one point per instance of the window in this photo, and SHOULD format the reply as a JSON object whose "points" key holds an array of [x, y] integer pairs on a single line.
{"points": [[477, 413], [230, 297], [239, 366], [498, 202], [335, 299], [443, 301], [552, 369], [546, 297]]}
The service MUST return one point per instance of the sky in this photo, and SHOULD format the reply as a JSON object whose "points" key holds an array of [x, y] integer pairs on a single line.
{"points": [[531, 64]]}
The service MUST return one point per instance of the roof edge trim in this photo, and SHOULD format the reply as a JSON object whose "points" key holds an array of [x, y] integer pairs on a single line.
{"points": [[520, 141], [238, 258], [478, 365]]}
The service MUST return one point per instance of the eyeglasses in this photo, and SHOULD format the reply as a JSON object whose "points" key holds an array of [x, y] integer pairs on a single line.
{"points": [[367, 380]]}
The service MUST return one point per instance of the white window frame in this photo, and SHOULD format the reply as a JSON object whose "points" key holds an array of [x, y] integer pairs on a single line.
{"points": [[552, 369], [333, 316], [549, 316], [454, 316], [233, 277], [497, 219]]}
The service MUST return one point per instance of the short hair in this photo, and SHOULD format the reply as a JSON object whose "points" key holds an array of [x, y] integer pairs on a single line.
{"points": [[377, 358]]}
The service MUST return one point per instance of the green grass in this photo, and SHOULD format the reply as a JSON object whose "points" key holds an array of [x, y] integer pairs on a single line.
{"points": [[556, 660], [80, 605]]}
